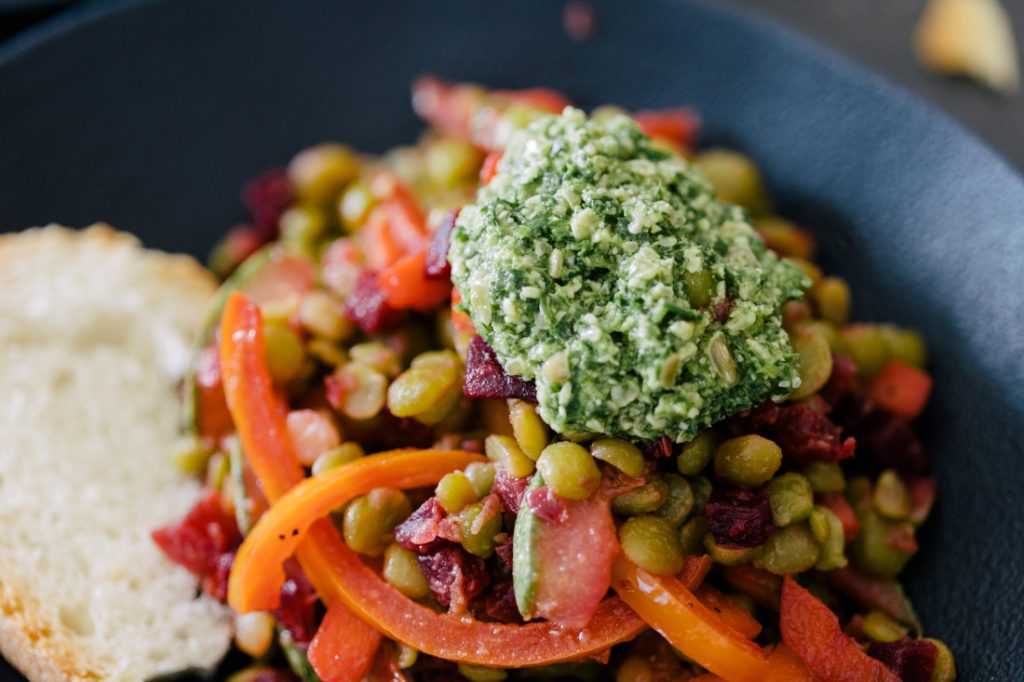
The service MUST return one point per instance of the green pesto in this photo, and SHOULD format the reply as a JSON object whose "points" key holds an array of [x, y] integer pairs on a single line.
{"points": [[593, 263]]}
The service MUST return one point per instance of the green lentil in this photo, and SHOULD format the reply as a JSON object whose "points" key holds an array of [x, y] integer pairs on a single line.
{"points": [[348, 451], [871, 549], [866, 346], [828, 532], [825, 477], [814, 361], [450, 162], [378, 356], [735, 179], [481, 475], [652, 543], [730, 556], [322, 315], [369, 520], [479, 673], [624, 456], [529, 429], [791, 498], [881, 627], [788, 551], [569, 470], [190, 456], [327, 352], [747, 461], [643, 500], [832, 296], [427, 394], [505, 452], [283, 352], [403, 572], [905, 345], [407, 656], [317, 174], [455, 492], [354, 205], [858, 493], [945, 668], [701, 487], [700, 287], [696, 454], [635, 669], [691, 535], [479, 538], [365, 390], [891, 498], [678, 502], [302, 226]]}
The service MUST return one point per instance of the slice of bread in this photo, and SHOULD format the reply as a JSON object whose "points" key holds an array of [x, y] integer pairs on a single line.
{"points": [[94, 338]]}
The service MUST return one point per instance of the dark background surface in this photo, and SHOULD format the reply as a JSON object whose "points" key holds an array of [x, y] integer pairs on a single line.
{"points": [[928, 228]]}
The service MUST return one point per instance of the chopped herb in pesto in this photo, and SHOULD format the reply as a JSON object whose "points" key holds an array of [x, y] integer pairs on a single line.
{"points": [[608, 272]]}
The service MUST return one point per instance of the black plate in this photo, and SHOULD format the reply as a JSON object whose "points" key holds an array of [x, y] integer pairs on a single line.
{"points": [[151, 116]]}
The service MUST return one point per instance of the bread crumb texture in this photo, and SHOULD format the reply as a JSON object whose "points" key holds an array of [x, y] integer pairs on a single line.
{"points": [[94, 337]]}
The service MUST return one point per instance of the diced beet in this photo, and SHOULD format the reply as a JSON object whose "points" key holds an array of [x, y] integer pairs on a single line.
{"points": [[297, 611], [266, 197], [546, 505], [367, 307], [659, 448], [891, 441], [503, 549], [450, 529], [437, 266], [455, 576], [902, 538], [198, 541], [922, 497], [419, 532], [839, 381], [804, 435], [721, 310], [510, 491], [485, 377], [912, 659], [739, 518], [216, 585], [500, 603]]}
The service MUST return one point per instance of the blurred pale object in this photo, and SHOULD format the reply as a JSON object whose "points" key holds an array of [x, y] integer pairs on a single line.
{"points": [[972, 38]]}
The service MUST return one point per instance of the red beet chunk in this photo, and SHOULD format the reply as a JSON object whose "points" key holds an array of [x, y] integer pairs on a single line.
{"points": [[546, 505], [739, 518], [485, 377], [419, 532], [437, 266], [803, 434], [839, 381], [658, 448], [891, 441], [198, 541], [216, 585], [266, 198], [297, 610], [500, 603], [510, 491], [912, 659], [367, 307], [721, 310], [455, 576], [504, 551]]}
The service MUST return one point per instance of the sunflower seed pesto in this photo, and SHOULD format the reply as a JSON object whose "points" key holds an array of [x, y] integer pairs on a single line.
{"points": [[594, 263]]}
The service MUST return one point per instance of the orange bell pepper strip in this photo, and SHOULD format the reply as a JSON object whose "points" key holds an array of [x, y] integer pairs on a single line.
{"points": [[901, 389], [812, 631], [690, 626], [784, 666], [735, 617], [460, 320], [258, 571], [406, 285], [344, 647], [695, 569], [337, 573]]}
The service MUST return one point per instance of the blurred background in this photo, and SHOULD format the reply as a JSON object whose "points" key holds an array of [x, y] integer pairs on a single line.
{"points": [[876, 33]]}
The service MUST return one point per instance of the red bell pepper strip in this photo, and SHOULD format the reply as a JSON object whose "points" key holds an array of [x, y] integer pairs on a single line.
{"points": [[490, 167], [901, 389], [735, 617], [344, 647], [761, 586], [812, 631], [678, 126], [406, 285], [838, 505]]}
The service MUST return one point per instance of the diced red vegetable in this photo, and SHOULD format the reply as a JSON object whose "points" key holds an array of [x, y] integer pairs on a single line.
{"points": [[812, 631], [485, 377], [500, 602], [922, 490], [405, 285], [912, 659], [546, 505], [803, 434], [544, 99], [296, 611], [839, 506], [678, 126], [447, 107], [368, 306], [739, 518], [419, 532], [490, 167], [901, 389], [344, 647], [213, 420], [455, 576], [341, 266], [437, 265], [872, 592], [266, 198], [199, 541], [659, 448], [510, 491]]}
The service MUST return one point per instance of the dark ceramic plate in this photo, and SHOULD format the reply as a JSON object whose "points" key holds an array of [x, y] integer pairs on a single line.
{"points": [[151, 115]]}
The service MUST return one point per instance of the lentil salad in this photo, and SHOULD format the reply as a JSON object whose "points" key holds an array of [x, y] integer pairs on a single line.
{"points": [[399, 489]]}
